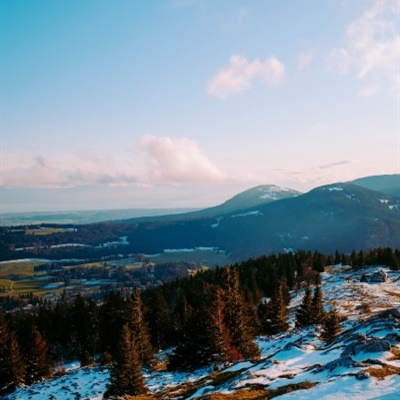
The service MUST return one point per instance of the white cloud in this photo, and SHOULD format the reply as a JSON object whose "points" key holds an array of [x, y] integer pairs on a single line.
{"points": [[371, 51], [304, 59], [177, 160], [240, 74], [154, 160]]}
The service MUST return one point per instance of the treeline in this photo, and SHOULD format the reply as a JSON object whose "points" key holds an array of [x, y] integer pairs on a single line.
{"points": [[212, 317], [39, 245]]}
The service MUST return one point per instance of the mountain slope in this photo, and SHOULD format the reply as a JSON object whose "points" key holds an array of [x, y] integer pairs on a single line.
{"points": [[343, 217], [253, 197], [388, 184], [363, 362]]}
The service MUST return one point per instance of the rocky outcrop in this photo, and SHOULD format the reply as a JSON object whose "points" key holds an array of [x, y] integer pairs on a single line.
{"points": [[343, 361]]}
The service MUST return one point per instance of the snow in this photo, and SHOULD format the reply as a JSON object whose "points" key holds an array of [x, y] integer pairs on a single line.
{"points": [[335, 189], [187, 250], [239, 366], [348, 387], [247, 214]]}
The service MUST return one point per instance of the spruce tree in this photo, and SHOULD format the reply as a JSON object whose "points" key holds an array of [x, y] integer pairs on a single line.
{"points": [[111, 320], [126, 377], [218, 333], [331, 326], [159, 319], [12, 370], [139, 328], [304, 315], [274, 314], [235, 316], [36, 356], [317, 306], [195, 347]]}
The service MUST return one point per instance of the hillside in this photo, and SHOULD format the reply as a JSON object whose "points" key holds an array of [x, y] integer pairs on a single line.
{"points": [[262, 220], [388, 184], [341, 216], [363, 362]]}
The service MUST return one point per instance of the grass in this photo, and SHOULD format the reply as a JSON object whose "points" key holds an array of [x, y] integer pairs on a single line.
{"points": [[384, 371], [44, 231], [260, 394], [392, 293], [396, 354], [18, 269]]}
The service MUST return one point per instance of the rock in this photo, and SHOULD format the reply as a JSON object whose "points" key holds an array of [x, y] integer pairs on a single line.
{"points": [[374, 346], [361, 375], [289, 346], [393, 338], [343, 361], [371, 346]]}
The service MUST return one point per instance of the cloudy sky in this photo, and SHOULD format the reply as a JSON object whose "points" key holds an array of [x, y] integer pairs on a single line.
{"points": [[184, 103]]}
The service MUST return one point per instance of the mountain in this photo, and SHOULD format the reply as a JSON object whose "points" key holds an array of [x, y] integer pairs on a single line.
{"points": [[341, 216], [256, 196], [388, 184]]}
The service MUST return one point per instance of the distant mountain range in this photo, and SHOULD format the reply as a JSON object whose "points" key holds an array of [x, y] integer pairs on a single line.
{"points": [[265, 219], [360, 215]]}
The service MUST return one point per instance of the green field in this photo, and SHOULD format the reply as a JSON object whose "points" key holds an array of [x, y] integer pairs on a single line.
{"points": [[18, 277], [18, 269], [44, 231]]}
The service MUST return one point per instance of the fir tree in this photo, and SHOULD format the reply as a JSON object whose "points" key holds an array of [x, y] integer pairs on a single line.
{"points": [[331, 326], [219, 335], [36, 358], [195, 347], [235, 316], [12, 370], [159, 319], [304, 314], [111, 320], [126, 377], [317, 306], [274, 314], [139, 328]]}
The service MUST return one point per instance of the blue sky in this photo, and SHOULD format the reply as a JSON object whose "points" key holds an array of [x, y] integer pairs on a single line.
{"points": [[109, 104]]}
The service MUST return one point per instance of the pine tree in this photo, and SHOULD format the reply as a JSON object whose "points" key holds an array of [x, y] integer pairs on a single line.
{"points": [[218, 333], [111, 320], [126, 377], [274, 314], [159, 319], [195, 348], [235, 316], [12, 370], [331, 326], [36, 358], [317, 306], [139, 328], [304, 314]]}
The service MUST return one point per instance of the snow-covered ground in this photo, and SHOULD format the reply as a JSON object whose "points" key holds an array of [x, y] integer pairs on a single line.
{"points": [[349, 368]]}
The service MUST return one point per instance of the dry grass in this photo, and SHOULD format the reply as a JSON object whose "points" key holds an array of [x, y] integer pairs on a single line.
{"points": [[162, 367], [259, 394], [240, 395], [384, 371], [396, 354], [395, 294]]}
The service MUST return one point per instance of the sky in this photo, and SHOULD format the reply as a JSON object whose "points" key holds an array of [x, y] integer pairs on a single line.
{"points": [[184, 103]]}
